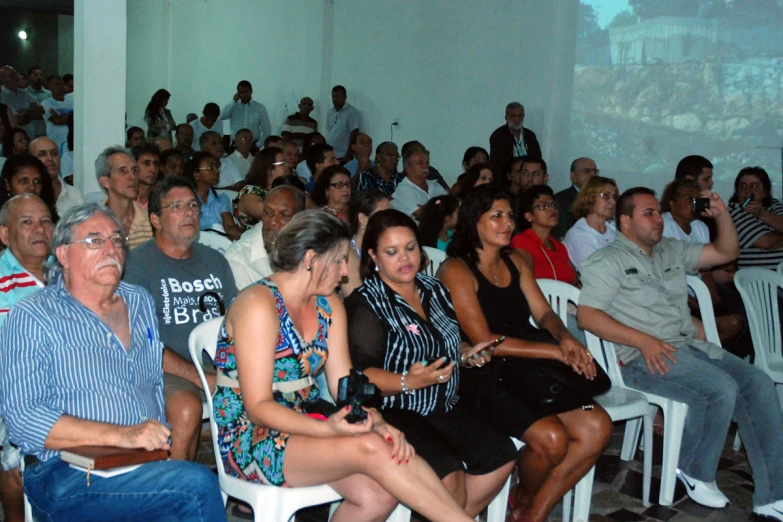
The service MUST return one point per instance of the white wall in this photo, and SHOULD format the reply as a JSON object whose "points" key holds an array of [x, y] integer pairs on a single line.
{"points": [[199, 51], [65, 44]]}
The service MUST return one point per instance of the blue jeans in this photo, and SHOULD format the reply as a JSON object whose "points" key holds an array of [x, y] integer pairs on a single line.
{"points": [[718, 391], [162, 491]]}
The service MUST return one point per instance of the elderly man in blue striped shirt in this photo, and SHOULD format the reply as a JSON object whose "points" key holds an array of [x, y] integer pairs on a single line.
{"points": [[82, 365]]}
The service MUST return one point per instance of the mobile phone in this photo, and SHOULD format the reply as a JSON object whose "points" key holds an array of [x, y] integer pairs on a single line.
{"points": [[750, 198], [496, 342], [433, 360], [700, 205]]}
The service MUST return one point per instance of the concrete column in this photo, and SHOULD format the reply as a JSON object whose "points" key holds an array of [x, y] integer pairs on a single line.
{"points": [[100, 28]]}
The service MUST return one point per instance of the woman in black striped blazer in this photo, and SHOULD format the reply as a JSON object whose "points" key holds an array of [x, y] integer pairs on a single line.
{"points": [[403, 332]]}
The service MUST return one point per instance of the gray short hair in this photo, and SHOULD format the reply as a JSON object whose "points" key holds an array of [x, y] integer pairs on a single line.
{"points": [[298, 195], [202, 140], [416, 149], [102, 166], [514, 105], [315, 230], [63, 233], [5, 212]]}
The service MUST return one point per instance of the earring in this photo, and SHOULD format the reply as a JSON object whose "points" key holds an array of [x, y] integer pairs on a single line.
{"points": [[363, 227], [376, 268], [307, 268]]}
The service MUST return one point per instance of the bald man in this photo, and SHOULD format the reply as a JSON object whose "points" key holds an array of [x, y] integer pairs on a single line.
{"points": [[46, 150]]}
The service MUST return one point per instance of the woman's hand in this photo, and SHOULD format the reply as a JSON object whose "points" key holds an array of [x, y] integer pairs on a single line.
{"points": [[755, 208], [577, 357], [421, 375], [340, 426], [478, 355], [402, 451]]}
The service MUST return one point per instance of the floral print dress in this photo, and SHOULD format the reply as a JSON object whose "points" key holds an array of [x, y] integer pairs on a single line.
{"points": [[246, 220], [248, 451]]}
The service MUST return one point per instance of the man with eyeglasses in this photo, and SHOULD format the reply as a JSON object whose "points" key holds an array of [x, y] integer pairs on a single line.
{"points": [[119, 176], [415, 190], [249, 257], [82, 366], [383, 175], [179, 272], [241, 157], [512, 139], [26, 229], [212, 142], [582, 169], [298, 125]]}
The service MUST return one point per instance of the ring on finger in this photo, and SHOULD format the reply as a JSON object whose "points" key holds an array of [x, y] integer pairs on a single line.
{"points": [[441, 378]]}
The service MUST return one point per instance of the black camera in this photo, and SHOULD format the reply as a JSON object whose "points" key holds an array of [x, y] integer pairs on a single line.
{"points": [[355, 390]]}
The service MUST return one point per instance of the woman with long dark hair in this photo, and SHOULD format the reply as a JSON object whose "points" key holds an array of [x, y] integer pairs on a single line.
{"points": [[26, 173], [15, 141], [438, 221], [268, 165], [159, 121]]}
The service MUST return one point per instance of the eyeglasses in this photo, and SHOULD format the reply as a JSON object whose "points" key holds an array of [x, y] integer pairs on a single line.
{"points": [[278, 163], [340, 184], [609, 195], [215, 168], [97, 242], [549, 205], [179, 206], [588, 170]]}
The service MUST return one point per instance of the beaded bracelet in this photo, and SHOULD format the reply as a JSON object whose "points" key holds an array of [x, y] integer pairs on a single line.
{"points": [[405, 389]]}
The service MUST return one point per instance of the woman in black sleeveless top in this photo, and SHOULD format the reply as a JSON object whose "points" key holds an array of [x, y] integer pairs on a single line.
{"points": [[495, 293]]}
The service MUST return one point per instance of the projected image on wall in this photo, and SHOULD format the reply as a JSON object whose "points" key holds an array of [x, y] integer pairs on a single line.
{"points": [[656, 80]]}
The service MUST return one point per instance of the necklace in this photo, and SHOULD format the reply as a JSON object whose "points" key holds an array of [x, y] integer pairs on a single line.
{"points": [[486, 271]]}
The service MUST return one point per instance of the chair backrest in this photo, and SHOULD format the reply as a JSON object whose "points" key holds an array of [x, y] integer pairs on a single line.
{"points": [[759, 290], [203, 338], [214, 240], [436, 258], [705, 308], [780, 268], [604, 354]]}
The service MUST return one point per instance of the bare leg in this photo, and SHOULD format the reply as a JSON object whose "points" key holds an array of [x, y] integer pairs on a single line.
{"points": [[481, 489], [546, 444], [590, 432], [12, 495], [183, 411], [311, 461], [455, 485]]}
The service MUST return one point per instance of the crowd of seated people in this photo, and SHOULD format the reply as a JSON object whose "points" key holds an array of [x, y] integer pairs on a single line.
{"points": [[324, 274]]}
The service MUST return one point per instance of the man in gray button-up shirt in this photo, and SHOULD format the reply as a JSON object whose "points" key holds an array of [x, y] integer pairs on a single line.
{"points": [[635, 295]]}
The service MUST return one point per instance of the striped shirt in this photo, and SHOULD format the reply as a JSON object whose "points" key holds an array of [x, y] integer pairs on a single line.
{"points": [[60, 358], [299, 127], [16, 283], [369, 179], [750, 229], [385, 332]]}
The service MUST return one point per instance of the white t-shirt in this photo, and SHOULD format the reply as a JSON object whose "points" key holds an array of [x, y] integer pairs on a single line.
{"points": [[199, 129], [241, 163], [699, 231], [407, 197], [229, 173], [57, 133], [582, 240]]}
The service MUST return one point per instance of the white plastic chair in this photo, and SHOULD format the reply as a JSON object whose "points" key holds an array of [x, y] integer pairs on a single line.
{"points": [[214, 240], [759, 289], [436, 258], [780, 269], [268, 502], [620, 403]]}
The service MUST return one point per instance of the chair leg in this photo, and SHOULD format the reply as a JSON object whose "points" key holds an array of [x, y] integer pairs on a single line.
{"points": [[567, 501], [631, 439], [400, 514], [496, 511], [583, 492], [648, 454], [332, 508], [674, 421], [737, 442]]}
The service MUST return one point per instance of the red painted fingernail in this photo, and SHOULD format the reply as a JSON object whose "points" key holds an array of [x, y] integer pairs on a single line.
{"points": [[406, 461], [392, 457], [388, 439], [347, 408], [399, 462]]}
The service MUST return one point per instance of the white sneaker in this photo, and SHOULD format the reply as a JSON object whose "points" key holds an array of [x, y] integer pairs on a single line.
{"points": [[706, 494], [773, 511]]}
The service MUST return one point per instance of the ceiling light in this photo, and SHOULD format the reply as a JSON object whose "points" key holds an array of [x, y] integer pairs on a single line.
{"points": [[23, 35]]}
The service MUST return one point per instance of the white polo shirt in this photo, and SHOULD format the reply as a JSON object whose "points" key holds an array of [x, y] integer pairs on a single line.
{"points": [[408, 196]]}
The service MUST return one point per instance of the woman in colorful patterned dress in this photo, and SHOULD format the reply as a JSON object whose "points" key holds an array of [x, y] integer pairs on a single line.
{"points": [[268, 165], [274, 340]]}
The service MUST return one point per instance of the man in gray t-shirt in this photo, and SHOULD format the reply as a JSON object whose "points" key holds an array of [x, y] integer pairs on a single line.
{"points": [[178, 271]]}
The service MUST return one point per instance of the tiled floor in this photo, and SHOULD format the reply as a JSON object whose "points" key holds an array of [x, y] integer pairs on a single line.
{"points": [[618, 485]]}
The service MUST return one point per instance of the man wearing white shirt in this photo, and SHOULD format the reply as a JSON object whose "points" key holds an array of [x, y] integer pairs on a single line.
{"points": [[212, 142], [241, 156], [415, 191], [21, 103], [57, 108], [249, 257], [246, 113], [66, 196], [342, 123], [207, 122], [38, 93]]}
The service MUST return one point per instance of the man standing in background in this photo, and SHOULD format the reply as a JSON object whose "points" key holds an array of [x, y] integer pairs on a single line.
{"points": [[37, 92], [26, 109], [57, 109], [512, 140], [342, 123], [300, 124], [245, 113]]}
